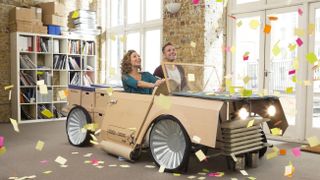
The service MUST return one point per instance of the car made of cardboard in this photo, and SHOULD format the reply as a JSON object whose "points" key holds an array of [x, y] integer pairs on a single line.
{"points": [[181, 117]]}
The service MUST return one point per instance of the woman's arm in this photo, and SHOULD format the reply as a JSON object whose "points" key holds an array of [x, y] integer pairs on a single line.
{"points": [[143, 84]]}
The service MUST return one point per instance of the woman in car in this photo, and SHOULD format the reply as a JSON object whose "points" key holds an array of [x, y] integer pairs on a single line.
{"points": [[133, 80]]}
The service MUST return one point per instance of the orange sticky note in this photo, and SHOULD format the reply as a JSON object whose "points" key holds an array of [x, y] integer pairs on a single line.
{"points": [[273, 18], [283, 152], [267, 28]]}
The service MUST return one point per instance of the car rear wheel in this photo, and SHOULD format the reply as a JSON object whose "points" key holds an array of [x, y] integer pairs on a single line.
{"points": [[77, 118], [169, 144]]}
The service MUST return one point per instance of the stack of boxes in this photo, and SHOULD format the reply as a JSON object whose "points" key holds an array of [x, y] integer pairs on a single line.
{"points": [[83, 22], [26, 20], [53, 16]]}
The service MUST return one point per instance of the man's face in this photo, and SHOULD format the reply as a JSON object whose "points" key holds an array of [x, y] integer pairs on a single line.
{"points": [[170, 53]]}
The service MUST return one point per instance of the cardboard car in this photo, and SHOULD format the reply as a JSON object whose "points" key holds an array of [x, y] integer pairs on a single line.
{"points": [[182, 116]]}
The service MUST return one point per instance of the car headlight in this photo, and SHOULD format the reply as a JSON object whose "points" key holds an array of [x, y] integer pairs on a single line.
{"points": [[271, 110], [243, 113]]}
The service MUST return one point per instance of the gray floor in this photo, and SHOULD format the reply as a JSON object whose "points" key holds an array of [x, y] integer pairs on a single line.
{"points": [[22, 159]]}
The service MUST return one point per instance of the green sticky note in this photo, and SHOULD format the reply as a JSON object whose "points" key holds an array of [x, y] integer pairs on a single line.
{"points": [[312, 58], [276, 131], [294, 78], [228, 82], [246, 79], [289, 90], [47, 113], [276, 50], [231, 90], [246, 92], [219, 0], [40, 73]]}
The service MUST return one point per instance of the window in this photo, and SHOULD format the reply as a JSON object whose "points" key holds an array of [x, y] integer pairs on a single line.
{"points": [[133, 24], [246, 1]]}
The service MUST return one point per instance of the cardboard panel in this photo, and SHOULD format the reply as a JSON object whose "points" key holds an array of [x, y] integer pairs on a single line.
{"points": [[22, 14], [97, 118], [88, 99], [53, 8], [102, 99], [74, 96], [21, 26], [54, 20]]}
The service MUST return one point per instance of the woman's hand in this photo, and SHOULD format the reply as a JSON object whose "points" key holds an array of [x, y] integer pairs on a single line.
{"points": [[158, 82]]}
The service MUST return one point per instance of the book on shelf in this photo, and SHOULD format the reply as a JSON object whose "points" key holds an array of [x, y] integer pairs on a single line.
{"points": [[44, 45], [88, 48], [73, 65], [76, 79], [56, 46], [59, 62], [26, 62], [25, 43], [27, 95], [74, 46], [26, 79], [46, 76], [25, 114], [87, 80], [57, 113]]}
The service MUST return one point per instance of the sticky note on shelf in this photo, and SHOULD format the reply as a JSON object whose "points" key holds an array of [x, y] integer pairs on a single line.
{"points": [[311, 57], [267, 28], [250, 123], [246, 92], [313, 141], [14, 124], [62, 94], [296, 151], [163, 101], [1, 141], [47, 113], [254, 24], [191, 77], [60, 160], [39, 145], [200, 155], [43, 89]]}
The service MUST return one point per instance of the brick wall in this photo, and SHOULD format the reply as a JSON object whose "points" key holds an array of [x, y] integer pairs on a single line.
{"points": [[5, 6]]}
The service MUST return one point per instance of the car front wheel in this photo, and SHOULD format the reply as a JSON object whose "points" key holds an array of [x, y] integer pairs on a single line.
{"points": [[169, 144]]}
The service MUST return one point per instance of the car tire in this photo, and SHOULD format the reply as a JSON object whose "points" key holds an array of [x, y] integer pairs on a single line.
{"points": [[77, 118], [170, 144]]}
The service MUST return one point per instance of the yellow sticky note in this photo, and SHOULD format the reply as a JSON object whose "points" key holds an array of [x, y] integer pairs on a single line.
{"points": [[246, 79], [3, 150], [191, 77], [289, 90], [311, 28], [298, 32], [123, 39], [254, 24], [47, 172], [60, 160], [8, 87], [307, 83], [312, 58], [75, 14], [276, 131], [43, 89], [39, 145], [296, 64], [246, 92], [62, 94], [14, 124], [271, 155], [200, 155], [292, 47], [239, 24], [228, 82], [161, 169], [250, 123], [193, 44], [313, 141], [113, 37], [109, 91], [91, 127], [47, 113], [40, 82], [163, 101], [112, 71], [276, 50], [231, 90]]}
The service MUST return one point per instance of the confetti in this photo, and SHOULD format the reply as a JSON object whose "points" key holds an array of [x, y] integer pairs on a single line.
{"points": [[307, 83], [1, 141], [289, 90], [191, 77], [276, 49], [276, 131], [250, 123], [252, 178], [149, 166], [195, 1], [74, 152], [44, 161], [254, 24], [8, 87], [239, 24], [60, 160], [193, 44], [296, 151], [289, 170], [292, 72], [124, 165], [244, 172], [299, 32], [161, 169], [3, 150], [94, 142], [273, 18], [246, 79], [109, 91], [191, 177], [267, 28], [299, 42], [311, 57], [283, 152], [47, 172], [62, 95], [234, 158], [216, 174], [311, 29], [292, 47], [14, 124], [200, 155], [176, 174], [300, 11], [201, 178], [39, 145], [113, 165], [87, 155]]}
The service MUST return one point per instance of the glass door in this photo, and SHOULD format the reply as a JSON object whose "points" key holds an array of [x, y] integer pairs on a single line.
{"points": [[284, 47], [313, 105], [247, 51]]}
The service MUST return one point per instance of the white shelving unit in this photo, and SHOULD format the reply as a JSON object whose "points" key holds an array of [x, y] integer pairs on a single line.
{"points": [[57, 60]]}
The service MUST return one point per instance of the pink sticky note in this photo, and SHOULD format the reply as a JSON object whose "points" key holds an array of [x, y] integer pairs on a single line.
{"points": [[300, 11], [292, 72], [296, 151], [299, 42], [94, 161], [1, 141], [44, 161], [245, 58], [195, 1]]}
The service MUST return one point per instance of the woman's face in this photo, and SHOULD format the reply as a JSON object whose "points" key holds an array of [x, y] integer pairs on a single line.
{"points": [[135, 60]]}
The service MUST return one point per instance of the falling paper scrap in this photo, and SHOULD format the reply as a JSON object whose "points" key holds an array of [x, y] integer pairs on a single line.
{"points": [[267, 28], [193, 44], [161, 169], [196, 139], [250, 123], [276, 131], [8, 87], [244, 172], [311, 57], [1, 141], [299, 42], [14, 124], [296, 151], [60, 160], [39, 145], [200, 155], [254, 24], [3, 150]]}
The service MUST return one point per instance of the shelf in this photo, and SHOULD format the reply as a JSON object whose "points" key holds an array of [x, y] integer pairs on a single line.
{"points": [[28, 103], [60, 53], [42, 120], [44, 102], [89, 55], [59, 86], [74, 54], [60, 70], [28, 86], [58, 102], [45, 53], [28, 69], [27, 52]]}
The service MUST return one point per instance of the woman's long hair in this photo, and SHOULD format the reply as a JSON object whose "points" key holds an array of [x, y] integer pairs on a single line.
{"points": [[126, 66]]}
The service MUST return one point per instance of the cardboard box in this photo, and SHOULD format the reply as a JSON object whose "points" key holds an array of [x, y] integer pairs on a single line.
{"points": [[102, 98], [74, 96], [37, 13], [88, 99], [21, 14], [98, 118], [53, 8], [40, 29], [21, 26], [54, 20]]}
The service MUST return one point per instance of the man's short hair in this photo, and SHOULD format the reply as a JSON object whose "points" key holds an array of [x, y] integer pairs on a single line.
{"points": [[164, 46]]}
